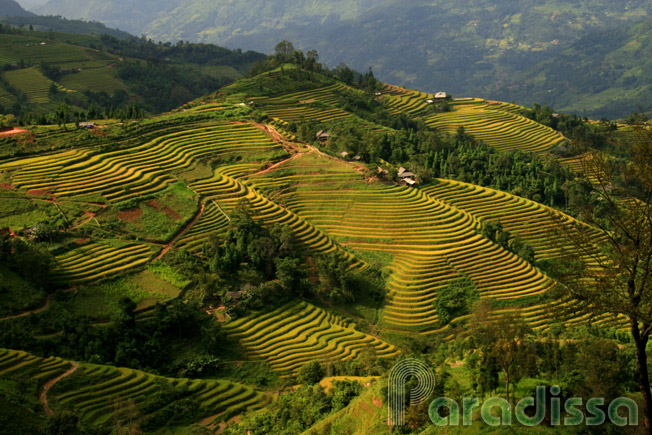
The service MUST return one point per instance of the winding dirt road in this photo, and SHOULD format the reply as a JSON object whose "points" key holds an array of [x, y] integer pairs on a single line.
{"points": [[183, 231], [27, 313], [43, 397]]}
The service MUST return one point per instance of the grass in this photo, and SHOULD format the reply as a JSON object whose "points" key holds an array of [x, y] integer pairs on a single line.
{"points": [[101, 301], [157, 219], [20, 211], [167, 274]]}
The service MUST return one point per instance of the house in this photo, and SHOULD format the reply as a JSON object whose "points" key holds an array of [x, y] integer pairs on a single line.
{"points": [[378, 94], [404, 173], [357, 158], [89, 125], [440, 96], [344, 154], [322, 135], [430, 101], [383, 172], [406, 178]]}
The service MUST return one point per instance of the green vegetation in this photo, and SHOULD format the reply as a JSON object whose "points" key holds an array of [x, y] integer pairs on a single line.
{"points": [[587, 56], [95, 76], [189, 260]]}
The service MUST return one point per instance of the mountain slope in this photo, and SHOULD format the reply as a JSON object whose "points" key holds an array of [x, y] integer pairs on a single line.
{"points": [[9, 8], [44, 69], [468, 47], [606, 74]]}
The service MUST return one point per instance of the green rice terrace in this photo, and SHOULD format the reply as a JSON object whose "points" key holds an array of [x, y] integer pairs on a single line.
{"points": [[182, 273]]}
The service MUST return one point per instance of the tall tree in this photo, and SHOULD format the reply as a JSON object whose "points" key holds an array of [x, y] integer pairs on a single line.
{"points": [[617, 277], [502, 341]]}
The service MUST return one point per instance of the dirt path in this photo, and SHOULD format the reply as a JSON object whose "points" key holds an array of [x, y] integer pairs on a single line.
{"points": [[13, 132], [37, 310], [91, 216], [181, 233], [27, 313], [275, 165], [43, 397], [118, 62]]}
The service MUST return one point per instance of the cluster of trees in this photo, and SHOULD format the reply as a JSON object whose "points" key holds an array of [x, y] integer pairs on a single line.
{"points": [[456, 299], [145, 344], [285, 53], [579, 130], [296, 412], [255, 266], [30, 261], [459, 157], [504, 345], [494, 231]]}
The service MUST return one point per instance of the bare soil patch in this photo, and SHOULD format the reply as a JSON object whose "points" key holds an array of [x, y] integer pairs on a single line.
{"points": [[154, 203], [131, 214], [171, 213], [37, 192], [12, 132]]}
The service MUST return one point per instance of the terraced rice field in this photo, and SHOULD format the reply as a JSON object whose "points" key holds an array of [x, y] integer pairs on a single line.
{"points": [[6, 98], [32, 83], [94, 261], [430, 242], [500, 128], [400, 100], [19, 364], [96, 79], [300, 112], [92, 391], [533, 222], [134, 172], [95, 403], [221, 193], [296, 334]]}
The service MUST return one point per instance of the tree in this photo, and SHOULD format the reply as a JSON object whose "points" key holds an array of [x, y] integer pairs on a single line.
{"points": [[284, 51], [610, 267], [502, 340], [455, 299], [311, 373]]}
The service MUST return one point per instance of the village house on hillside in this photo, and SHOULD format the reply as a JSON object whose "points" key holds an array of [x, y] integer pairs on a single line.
{"points": [[322, 135], [406, 178]]}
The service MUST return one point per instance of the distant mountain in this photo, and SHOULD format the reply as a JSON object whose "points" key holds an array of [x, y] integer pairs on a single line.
{"points": [[9, 8], [30, 4], [208, 20], [64, 25], [488, 48], [606, 73]]}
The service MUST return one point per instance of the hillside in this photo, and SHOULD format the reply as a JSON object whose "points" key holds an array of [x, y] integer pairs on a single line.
{"points": [[488, 49], [10, 8], [605, 74], [63, 25], [44, 69], [213, 264]]}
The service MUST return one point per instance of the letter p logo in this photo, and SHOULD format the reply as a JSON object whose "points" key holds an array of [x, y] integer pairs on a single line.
{"points": [[398, 377]]}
